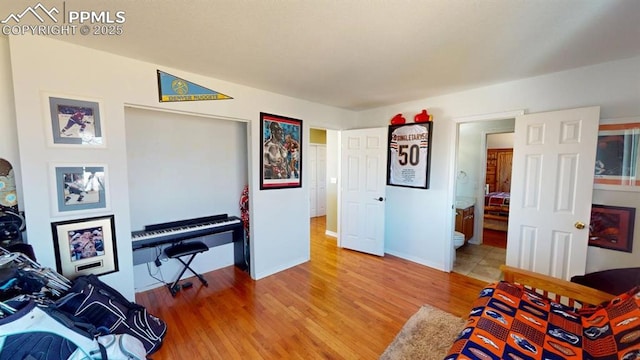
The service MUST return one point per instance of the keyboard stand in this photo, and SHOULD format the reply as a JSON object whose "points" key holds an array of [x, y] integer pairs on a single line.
{"points": [[176, 251]]}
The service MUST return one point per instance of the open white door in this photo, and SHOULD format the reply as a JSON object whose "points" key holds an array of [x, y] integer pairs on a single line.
{"points": [[363, 175], [551, 191]]}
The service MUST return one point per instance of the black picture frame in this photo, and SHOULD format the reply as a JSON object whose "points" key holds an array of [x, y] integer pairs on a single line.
{"points": [[612, 227], [281, 152], [409, 155], [85, 246]]}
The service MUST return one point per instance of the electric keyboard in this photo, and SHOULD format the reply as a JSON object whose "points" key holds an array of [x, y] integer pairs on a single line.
{"points": [[175, 231]]}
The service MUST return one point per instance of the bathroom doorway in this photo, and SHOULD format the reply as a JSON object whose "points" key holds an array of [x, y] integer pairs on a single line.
{"points": [[478, 179], [499, 161]]}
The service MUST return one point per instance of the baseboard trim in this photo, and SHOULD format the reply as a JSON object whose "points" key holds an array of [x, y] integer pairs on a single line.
{"points": [[331, 233]]}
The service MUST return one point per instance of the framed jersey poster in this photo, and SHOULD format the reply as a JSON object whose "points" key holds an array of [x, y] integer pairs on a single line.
{"points": [[409, 155]]}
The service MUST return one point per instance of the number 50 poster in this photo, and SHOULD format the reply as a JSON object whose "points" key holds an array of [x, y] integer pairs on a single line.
{"points": [[409, 155]]}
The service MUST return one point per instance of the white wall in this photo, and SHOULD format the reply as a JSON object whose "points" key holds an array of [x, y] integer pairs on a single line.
{"points": [[9, 133], [419, 222], [500, 141], [278, 241]]}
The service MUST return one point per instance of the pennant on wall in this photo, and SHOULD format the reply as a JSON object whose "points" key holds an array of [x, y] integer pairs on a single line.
{"points": [[171, 88]]}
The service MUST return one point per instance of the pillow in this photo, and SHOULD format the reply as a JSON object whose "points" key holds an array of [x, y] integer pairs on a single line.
{"points": [[614, 281]]}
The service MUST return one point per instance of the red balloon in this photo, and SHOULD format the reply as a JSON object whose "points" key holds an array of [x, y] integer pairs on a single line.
{"points": [[398, 119], [422, 117]]}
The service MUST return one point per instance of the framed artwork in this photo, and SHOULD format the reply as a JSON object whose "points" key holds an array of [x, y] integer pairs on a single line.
{"points": [[612, 227], [409, 158], [74, 122], [79, 187], [85, 246], [281, 157], [617, 155]]}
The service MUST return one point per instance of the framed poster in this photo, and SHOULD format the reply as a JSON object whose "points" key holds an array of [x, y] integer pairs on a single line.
{"points": [[79, 187], [617, 155], [281, 157], [612, 227], [74, 122], [85, 246], [409, 157]]}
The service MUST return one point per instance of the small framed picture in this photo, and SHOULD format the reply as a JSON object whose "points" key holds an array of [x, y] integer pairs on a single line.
{"points": [[79, 187], [612, 227], [409, 157], [281, 153], [85, 246], [74, 122]]}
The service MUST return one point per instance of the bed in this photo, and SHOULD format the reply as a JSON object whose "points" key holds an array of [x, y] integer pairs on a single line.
{"points": [[533, 316], [496, 210]]}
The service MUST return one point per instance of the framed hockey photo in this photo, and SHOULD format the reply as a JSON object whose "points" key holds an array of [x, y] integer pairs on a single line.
{"points": [[74, 122], [78, 187], [281, 152], [409, 157], [85, 246], [611, 227]]}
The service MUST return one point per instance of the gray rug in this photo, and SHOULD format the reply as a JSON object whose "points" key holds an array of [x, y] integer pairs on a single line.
{"points": [[428, 334]]}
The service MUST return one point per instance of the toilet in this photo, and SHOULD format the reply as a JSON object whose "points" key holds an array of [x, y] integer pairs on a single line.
{"points": [[458, 239]]}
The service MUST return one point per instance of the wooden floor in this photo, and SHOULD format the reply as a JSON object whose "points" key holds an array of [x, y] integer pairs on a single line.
{"points": [[340, 305], [494, 238]]}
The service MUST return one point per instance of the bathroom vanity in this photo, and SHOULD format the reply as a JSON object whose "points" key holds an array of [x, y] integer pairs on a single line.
{"points": [[465, 220]]}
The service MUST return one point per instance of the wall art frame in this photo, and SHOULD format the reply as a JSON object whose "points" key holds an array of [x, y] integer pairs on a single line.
{"points": [[409, 155], [618, 155], [612, 227], [85, 246], [74, 121], [281, 153], [79, 188]]}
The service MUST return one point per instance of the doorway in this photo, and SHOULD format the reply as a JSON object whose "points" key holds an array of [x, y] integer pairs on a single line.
{"points": [[324, 150], [478, 179], [499, 161]]}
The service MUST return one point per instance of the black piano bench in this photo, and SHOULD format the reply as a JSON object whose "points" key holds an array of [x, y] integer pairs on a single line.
{"points": [[176, 251]]}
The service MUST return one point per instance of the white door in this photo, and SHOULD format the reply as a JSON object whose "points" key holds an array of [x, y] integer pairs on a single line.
{"points": [[313, 182], [362, 190], [551, 190]]}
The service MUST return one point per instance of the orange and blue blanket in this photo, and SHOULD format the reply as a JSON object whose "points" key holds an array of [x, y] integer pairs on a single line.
{"points": [[508, 321]]}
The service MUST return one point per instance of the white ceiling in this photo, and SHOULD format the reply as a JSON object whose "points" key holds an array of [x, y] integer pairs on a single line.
{"points": [[360, 54]]}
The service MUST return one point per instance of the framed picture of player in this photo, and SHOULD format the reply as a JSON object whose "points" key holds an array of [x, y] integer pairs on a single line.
{"points": [[74, 122], [281, 152], [85, 246], [78, 187], [409, 157]]}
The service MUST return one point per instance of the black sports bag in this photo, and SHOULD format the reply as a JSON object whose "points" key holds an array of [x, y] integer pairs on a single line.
{"points": [[108, 310]]}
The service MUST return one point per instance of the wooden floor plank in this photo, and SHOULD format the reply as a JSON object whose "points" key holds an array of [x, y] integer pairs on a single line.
{"points": [[340, 305]]}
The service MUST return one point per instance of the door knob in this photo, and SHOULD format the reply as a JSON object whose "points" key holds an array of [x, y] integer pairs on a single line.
{"points": [[579, 225], [379, 199]]}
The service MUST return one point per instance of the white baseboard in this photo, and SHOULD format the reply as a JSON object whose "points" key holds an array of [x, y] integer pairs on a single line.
{"points": [[331, 233]]}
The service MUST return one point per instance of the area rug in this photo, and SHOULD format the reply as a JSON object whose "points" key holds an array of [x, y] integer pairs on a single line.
{"points": [[428, 334]]}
